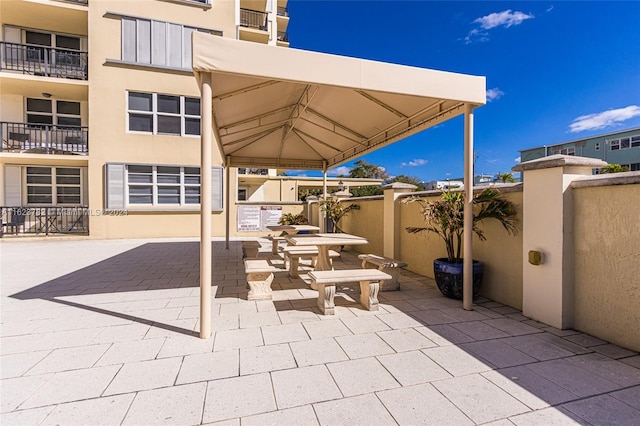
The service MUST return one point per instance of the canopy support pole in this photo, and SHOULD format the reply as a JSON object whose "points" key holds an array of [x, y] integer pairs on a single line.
{"points": [[323, 218], [467, 271], [227, 202], [205, 206]]}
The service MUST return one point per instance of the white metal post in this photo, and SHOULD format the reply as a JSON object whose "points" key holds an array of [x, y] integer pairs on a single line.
{"points": [[467, 271], [205, 206], [227, 202]]}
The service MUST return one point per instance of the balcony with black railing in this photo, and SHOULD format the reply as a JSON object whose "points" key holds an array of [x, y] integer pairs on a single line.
{"points": [[253, 19], [44, 220], [283, 11], [44, 138], [255, 172], [80, 2], [283, 37], [43, 61]]}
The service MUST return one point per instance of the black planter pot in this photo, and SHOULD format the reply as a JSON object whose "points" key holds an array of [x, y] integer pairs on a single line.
{"points": [[449, 277]]}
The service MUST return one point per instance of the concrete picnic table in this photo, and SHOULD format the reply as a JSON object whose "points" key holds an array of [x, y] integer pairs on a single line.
{"points": [[288, 230], [323, 241]]}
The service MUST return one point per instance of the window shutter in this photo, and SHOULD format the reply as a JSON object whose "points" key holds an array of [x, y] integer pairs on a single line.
{"points": [[128, 39], [12, 186], [144, 41], [85, 186], [158, 43], [114, 183], [216, 189], [175, 46]]}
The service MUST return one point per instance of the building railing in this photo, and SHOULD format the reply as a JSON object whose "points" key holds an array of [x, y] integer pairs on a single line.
{"points": [[283, 36], [83, 2], [45, 220], [43, 60], [283, 11], [44, 138], [253, 19], [247, 171]]}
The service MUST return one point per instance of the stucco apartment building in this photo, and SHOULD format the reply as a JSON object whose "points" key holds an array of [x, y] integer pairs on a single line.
{"points": [[100, 115], [619, 147]]}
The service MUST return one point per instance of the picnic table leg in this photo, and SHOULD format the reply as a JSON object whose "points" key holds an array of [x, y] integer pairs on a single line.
{"points": [[369, 294], [274, 246], [323, 263]]}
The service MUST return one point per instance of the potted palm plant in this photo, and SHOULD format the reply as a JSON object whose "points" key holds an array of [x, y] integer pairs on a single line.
{"points": [[335, 210], [445, 218]]}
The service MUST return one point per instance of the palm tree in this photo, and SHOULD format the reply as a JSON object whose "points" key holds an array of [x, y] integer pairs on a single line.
{"points": [[613, 168], [506, 177]]}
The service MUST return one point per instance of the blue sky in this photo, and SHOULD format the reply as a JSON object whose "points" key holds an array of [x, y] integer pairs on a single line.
{"points": [[556, 70]]}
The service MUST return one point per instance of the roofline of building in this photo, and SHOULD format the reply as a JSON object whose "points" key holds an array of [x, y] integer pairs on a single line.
{"points": [[582, 139]]}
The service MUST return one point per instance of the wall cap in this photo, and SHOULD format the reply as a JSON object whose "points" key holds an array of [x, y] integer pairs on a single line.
{"points": [[608, 179], [399, 185], [558, 160]]}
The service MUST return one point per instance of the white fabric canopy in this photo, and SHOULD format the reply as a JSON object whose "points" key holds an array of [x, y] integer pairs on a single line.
{"points": [[287, 108], [268, 106]]}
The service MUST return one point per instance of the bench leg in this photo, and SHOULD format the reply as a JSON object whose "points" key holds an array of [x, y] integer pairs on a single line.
{"points": [[369, 294], [392, 284], [260, 286], [326, 293], [294, 263]]}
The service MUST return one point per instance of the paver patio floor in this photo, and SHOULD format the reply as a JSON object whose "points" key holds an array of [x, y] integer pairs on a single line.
{"points": [[103, 332]]}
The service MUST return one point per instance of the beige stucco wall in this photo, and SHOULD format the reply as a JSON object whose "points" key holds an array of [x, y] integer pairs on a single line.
{"points": [[607, 269], [367, 222]]}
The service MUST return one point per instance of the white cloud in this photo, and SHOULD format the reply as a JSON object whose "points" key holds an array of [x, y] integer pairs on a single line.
{"points": [[604, 119], [342, 170], [416, 162], [494, 94], [505, 19], [517, 159]]}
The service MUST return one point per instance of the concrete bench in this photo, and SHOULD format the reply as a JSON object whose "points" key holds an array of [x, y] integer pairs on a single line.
{"points": [[384, 264], [259, 278], [293, 254], [250, 249], [275, 240], [326, 281]]}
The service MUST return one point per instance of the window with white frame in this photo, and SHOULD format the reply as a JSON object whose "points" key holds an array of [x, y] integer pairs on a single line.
{"points": [[158, 43], [161, 114], [565, 151], [53, 186], [624, 143], [48, 111], [163, 185]]}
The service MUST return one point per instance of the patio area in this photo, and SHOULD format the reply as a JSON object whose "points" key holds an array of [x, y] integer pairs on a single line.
{"points": [[105, 332]]}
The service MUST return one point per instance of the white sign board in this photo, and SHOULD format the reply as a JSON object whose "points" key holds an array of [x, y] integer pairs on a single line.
{"points": [[257, 218]]}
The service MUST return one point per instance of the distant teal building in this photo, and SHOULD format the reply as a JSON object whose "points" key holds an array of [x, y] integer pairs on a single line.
{"points": [[622, 147]]}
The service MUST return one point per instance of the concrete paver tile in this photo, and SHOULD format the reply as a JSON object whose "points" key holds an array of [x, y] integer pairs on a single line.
{"points": [[540, 349], [552, 416], [258, 319], [480, 399], [100, 411], [297, 316], [209, 366], [303, 386], [263, 359], [444, 335], [69, 359], [238, 397], [121, 333], [357, 410], [422, 405], [176, 405], [235, 339], [361, 376], [313, 352], [613, 351], [326, 329], [292, 416], [456, 361], [17, 390], [512, 327], [284, 333], [366, 324], [398, 320], [612, 370], [187, 345], [364, 345], [573, 378], [412, 368], [74, 385], [406, 339], [498, 353], [600, 410], [433, 317], [480, 330], [34, 416], [462, 315], [629, 396], [633, 361], [224, 322], [585, 340], [145, 375], [15, 365], [125, 352], [531, 389]]}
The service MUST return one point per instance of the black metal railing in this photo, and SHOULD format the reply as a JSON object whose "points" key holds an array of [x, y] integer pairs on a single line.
{"points": [[43, 60], [246, 171], [83, 2], [283, 36], [44, 138], [45, 220], [253, 19], [283, 11]]}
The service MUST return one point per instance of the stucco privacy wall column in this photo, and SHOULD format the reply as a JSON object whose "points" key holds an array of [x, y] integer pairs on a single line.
{"points": [[547, 293], [391, 217]]}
